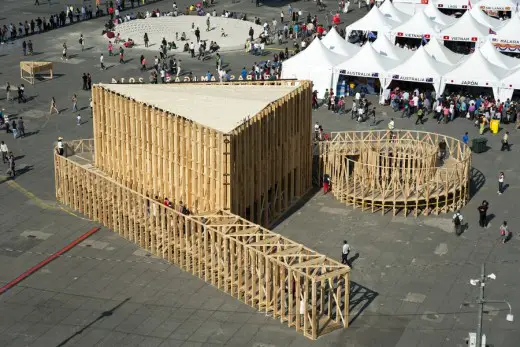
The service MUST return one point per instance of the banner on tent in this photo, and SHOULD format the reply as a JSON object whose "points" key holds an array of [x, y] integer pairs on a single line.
{"points": [[360, 74], [413, 79], [495, 8], [459, 38], [506, 45], [471, 83], [413, 36], [453, 6]]}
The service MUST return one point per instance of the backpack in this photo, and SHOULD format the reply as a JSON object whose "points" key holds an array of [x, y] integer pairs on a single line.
{"points": [[457, 220]]}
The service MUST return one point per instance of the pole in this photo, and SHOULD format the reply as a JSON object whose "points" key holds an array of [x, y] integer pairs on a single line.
{"points": [[481, 302]]}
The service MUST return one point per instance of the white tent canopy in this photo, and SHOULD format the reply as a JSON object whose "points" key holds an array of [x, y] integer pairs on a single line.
{"points": [[367, 63], [384, 46], [389, 10], [484, 19], [337, 44], [476, 71], [442, 54], [496, 58], [437, 16], [512, 81], [430, 71], [497, 5], [467, 29], [374, 20], [417, 26], [314, 63]]}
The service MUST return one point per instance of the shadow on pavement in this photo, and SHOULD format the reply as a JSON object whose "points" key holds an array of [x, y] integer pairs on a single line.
{"points": [[101, 316]]}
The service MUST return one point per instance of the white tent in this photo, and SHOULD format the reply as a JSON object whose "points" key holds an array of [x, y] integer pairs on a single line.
{"points": [[367, 63], [314, 63], [374, 20], [509, 84], [441, 53], [507, 38], [497, 5], [417, 27], [437, 16], [384, 46], [389, 10], [486, 20], [476, 71], [420, 67], [496, 58], [337, 44], [467, 29]]}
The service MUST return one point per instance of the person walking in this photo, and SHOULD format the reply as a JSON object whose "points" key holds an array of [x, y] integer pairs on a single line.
{"points": [[504, 232], [505, 142], [21, 127], [121, 55], [344, 253], [78, 119], [14, 129], [101, 62], [5, 151], [64, 52], [74, 103], [8, 92], [420, 116], [59, 146], [500, 183], [482, 211], [30, 47], [391, 124], [53, 106], [178, 68], [11, 165], [82, 42], [465, 138], [145, 39], [457, 222], [84, 78], [208, 23]]}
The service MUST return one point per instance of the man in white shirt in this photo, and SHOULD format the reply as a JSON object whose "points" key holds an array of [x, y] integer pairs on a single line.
{"points": [[358, 97], [391, 124], [101, 60], [5, 151], [344, 253]]}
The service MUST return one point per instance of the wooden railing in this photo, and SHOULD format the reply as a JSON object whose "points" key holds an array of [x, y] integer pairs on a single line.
{"points": [[265, 270]]}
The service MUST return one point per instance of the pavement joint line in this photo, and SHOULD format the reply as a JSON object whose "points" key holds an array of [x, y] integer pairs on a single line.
{"points": [[84, 257], [36, 199]]}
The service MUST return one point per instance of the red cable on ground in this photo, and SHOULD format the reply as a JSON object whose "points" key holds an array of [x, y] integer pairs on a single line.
{"points": [[48, 260]]}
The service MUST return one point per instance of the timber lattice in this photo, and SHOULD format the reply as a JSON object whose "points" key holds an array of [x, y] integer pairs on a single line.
{"points": [[396, 171], [304, 289]]}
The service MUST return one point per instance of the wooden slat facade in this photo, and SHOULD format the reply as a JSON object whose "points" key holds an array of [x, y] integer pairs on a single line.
{"points": [[257, 170]]}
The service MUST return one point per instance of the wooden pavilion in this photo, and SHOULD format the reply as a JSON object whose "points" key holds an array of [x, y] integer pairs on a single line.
{"points": [[31, 70]]}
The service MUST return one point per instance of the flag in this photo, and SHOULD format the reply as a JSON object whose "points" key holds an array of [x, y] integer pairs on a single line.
{"points": [[371, 35], [492, 32], [424, 39], [469, 4]]}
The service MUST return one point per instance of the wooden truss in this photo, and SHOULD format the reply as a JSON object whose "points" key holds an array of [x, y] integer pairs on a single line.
{"points": [[265, 270], [397, 171], [30, 69]]}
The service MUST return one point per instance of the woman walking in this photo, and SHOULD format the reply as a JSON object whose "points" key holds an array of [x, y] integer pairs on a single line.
{"points": [[504, 232], [143, 63], [53, 106], [500, 183], [64, 52], [146, 40], [74, 103]]}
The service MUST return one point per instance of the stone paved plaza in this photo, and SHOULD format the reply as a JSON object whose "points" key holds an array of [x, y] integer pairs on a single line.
{"points": [[410, 275]]}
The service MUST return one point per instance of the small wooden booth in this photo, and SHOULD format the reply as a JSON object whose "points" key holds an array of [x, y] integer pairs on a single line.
{"points": [[244, 147], [30, 69]]}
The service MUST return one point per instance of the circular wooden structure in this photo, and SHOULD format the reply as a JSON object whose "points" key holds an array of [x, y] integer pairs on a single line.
{"points": [[397, 171]]}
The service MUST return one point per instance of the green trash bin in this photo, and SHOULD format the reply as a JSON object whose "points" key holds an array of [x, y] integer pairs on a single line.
{"points": [[479, 145]]}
